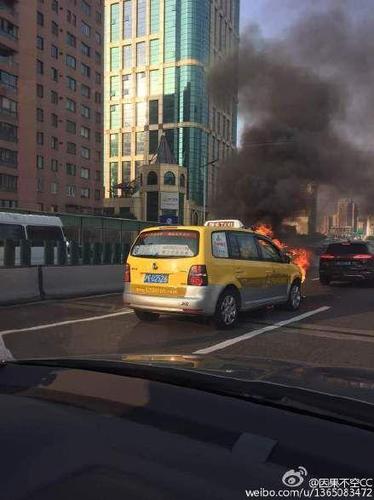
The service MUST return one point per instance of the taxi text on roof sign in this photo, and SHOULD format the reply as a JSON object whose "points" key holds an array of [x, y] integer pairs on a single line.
{"points": [[224, 223]]}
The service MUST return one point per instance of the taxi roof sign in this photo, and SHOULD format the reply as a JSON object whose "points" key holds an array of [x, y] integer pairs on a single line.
{"points": [[224, 223]]}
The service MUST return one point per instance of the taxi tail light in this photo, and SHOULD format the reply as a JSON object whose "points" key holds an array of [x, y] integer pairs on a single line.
{"points": [[197, 276], [127, 274], [363, 256], [327, 256]]}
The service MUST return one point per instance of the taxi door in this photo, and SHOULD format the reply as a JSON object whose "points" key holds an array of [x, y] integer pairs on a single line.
{"points": [[251, 271], [280, 275]]}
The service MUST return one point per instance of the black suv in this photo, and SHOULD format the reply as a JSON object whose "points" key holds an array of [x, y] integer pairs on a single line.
{"points": [[347, 261]]}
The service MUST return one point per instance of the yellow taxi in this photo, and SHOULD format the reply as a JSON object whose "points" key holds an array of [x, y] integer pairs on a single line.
{"points": [[216, 270]]}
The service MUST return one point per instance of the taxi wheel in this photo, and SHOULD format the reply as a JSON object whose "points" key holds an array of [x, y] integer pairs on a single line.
{"points": [[227, 310], [146, 316], [294, 297]]}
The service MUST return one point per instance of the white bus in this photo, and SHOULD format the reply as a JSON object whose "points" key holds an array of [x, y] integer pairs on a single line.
{"points": [[35, 228]]}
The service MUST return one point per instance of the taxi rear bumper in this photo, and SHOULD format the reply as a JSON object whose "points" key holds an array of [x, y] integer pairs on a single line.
{"points": [[197, 300]]}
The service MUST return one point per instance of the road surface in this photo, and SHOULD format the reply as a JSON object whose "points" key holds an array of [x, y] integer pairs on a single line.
{"points": [[334, 327]]}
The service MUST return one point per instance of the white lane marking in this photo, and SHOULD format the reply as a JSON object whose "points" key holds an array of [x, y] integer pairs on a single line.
{"points": [[53, 301], [5, 354], [63, 323], [315, 279], [249, 335]]}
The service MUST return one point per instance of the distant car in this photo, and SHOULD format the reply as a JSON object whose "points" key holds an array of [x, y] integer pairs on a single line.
{"points": [[216, 270], [347, 261]]}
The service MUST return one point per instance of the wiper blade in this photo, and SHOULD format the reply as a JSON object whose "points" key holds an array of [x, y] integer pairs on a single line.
{"points": [[289, 398]]}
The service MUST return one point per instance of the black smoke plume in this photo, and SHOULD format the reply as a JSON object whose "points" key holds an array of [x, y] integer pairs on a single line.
{"points": [[308, 104]]}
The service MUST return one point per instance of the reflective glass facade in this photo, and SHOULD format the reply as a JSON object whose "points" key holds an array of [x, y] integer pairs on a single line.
{"points": [[156, 83]]}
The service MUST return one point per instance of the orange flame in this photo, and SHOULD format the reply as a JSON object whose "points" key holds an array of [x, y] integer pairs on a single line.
{"points": [[299, 256]]}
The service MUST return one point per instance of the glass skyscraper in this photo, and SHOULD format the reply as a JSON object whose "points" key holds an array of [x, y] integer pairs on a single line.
{"points": [[157, 57]]}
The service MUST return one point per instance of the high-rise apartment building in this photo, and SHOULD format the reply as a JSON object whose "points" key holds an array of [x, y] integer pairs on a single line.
{"points": [[157, 55], [347, 214], [53, 75], [9, 107]]}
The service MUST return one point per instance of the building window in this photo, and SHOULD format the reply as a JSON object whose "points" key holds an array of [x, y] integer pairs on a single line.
{"points": [[141, 84], [85, 49], [40, 138], [98, 118], [98, 97], [54, 120], [85, 111], [40, 90], [113, 140], [71, 191], [97, 194], [98, 78], [85, 91], [8, 157], [71, 105], [127, 19], [54, 52], [8, 182], [154, 16], [126, 144], [98, 38], [85, 173], [54, 74], [152, 141], [98, 137], [85, 29], [97, 57], [114, 22], [140, 54], [71, 18], [154, 83], [85, 192], [71, 148], [71, 61], [154, 51], [98, 17], [115, 87], [71, 127], [85, 153], [71, 83], [54, 165], [54, 187], [127, 56], [113, 175], [85, 70], [54, 97], [71, 169], [127, 115], [71, 40], [40, 42], [139, 143], [85, 8], [97, 175], [54, 28], [40, 162], [114, 58], [85, 132], [169, 179], [8, 80], [126, 171], [153, 112], [55, 5], [39, 115], [152, 179], [39, 18], [115, 116], [8, 132], [40, 185], [9, 107], [141, 18], [39, 67], [127, 88], [140, 114]]}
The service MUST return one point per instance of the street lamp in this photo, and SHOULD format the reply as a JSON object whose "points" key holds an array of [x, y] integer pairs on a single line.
{"points": [[205, 167]]}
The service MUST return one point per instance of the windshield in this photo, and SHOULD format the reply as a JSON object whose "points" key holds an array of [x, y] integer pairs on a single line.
{"points": [[190, 179], [167, 244]]}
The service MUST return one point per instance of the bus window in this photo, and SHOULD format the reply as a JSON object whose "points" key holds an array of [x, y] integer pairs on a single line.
{"points": [[12, 232], [39, 234]]}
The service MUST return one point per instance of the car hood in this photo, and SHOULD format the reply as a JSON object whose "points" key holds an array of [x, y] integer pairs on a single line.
{"points": [[355, 383]]}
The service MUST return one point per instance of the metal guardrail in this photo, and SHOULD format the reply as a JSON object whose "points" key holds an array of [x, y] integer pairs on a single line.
{"points": [[63, 254]]}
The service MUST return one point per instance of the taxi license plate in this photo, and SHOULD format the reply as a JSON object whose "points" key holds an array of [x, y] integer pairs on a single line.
{"points": [[156, 278]]}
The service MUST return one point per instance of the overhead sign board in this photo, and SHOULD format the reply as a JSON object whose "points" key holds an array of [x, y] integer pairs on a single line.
{"points": [[169, 201]]}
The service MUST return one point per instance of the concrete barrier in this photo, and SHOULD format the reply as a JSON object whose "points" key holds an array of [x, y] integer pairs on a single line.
{"points": [[65, 281], [19, 284]]}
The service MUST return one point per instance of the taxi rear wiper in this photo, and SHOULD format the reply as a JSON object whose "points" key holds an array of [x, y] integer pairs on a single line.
{"points": [[300, 400]]}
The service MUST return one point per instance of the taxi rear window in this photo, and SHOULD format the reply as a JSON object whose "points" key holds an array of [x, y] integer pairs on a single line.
{"points": [[166, 244]]}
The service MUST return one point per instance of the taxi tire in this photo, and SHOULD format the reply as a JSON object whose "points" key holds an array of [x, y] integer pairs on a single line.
{"points": [[146, 315], [218, 318], [290, 305]]}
